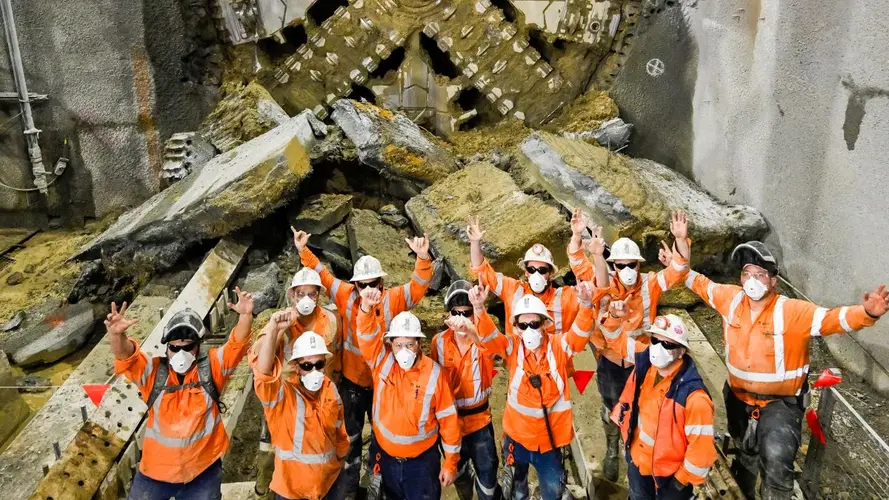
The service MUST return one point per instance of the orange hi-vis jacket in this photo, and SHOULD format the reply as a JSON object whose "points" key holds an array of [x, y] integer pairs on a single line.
{"points": [[345, 296], [523, 418], [561, 303], [412, 408], [768, 356], [668, 423], [469, 376], [308, 433], [184, 433]]}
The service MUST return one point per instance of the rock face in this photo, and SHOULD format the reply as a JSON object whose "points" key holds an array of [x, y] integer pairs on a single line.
{"points": [[369, 236], [394, 145], [513, 221], [262, 282], [634, 197], [13, 409], [229, 192], [320, 213], [245, 113], [58, 335]]}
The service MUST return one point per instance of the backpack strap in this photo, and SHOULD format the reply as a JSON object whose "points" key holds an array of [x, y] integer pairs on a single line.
{"points": [[205, 376], [160, 381]]}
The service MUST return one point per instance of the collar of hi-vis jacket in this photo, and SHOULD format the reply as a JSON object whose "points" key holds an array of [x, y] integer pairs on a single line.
{"points": [[619, 291], [421, 358]]}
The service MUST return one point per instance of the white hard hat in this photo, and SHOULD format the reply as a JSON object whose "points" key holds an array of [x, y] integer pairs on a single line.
{"points": [[529, 304], [405, 324], [367, 268], [540, 253], [671, 327], [625, 249], [309, 344], [306, 276]]}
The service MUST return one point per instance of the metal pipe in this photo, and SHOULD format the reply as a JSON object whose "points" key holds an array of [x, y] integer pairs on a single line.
{"points": [[21, 86]]}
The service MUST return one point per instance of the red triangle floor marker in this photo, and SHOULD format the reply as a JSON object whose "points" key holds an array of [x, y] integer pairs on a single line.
{"points": [[95, 392], [582, 379]]}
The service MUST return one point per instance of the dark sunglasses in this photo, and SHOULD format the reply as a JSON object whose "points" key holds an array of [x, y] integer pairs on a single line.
{"points": [[465, 314], [361, 286], [634, 265], [531, 324], [186, 347], [318, 365], [667, 345], [541, 270]]}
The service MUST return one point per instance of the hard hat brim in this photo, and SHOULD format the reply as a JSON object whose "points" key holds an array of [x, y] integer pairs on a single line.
{"points": [[417, 335], [364, 277], [317, 352], [653, 330], [614, 257]]}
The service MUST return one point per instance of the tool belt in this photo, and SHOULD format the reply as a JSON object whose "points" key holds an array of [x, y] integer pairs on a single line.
{"points": [[465, 412]]}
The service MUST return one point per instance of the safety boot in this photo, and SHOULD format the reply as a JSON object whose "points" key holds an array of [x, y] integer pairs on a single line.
{"points": [[745, 478], [611, 463], [465, 482]]}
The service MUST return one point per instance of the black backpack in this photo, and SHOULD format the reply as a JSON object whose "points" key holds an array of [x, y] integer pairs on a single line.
{"points": [[205, 376]]}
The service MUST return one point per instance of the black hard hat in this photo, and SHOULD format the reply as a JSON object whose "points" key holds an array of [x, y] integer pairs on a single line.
{"points": [[184, 325], [756, 253], [458, 295]]}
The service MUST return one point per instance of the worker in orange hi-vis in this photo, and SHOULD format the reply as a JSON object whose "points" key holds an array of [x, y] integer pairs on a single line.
{"points": [[303, 314], [413, 406], [629, 307], [304, 414], [184, 436], [666, 417], [356, 384], [538, 419], [767, 354], [470, 369]]}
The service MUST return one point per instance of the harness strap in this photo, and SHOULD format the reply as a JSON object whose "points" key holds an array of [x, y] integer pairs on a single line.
{"points": [[205, 376]]}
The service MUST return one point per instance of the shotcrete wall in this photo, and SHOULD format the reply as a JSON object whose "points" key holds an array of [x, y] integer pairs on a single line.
{"points": [[117, 89], [790, 114]]}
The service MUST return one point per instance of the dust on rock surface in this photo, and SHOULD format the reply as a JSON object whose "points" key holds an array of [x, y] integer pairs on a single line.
{"points": [[587, 112]]}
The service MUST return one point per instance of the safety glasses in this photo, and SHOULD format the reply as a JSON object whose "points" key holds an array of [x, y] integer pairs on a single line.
{"points": [[541, 270], [634, 265], [307, 366], [373, 284], [465, 314], [667, 345], [534, 325], [177, 348]]}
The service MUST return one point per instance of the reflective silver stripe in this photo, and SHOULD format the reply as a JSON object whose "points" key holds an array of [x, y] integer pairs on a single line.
{"points": [[512, 395], [694, 469], [379, 358], [348, 343], [778, 337], [646, 302], [334, 288], [631, 350], [844, 321], [698, 430], [487, 491], [450, 448], [580, 333], [677, 266], [299, 430], [477, 394], [509, 344], [645, 437], [427, 398], [690, 281], [563, 343], [408, 300], [146, 373], [557, 310], [763, 377], [662, 281], [220, 355], [210, 422], [370, 336], [490, 337], [228, 371], [387, 312], [439, 345], [416, 277], [447, 412], [711, 287], [499, 287], [732, 307], [551, 359], [817, 320], [387, 434], [611, 334], [318, 268], [277, 400], [470, 402], [519, 293]]}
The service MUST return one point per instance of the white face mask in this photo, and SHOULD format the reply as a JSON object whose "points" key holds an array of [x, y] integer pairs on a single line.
{"points": [[305, 306], [661, 357], [181, 361], [628, 276], [312, 380], [754, 288], [531, 338], [405, 358], [538, 282]]}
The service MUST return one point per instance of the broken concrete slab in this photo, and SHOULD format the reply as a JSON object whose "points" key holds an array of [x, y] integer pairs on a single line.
{"points": [[393, 144], [634, 197], [321, 213], [58, 335], [390, 214], [264, 284], [369, 236], [226, 194], [32, 326], [13, 409], [513, 221], [335, 242], [244, 114]]}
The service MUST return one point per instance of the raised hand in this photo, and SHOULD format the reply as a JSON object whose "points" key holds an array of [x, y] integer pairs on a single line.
{"points": [[420, 246], [679, 225], [370, 298], [664, 254], [282, 319], [300, 239], [474, 231], [876, 302], [116, 323], [578, 222], [477, 296], [245, 302], [584, 290], [459, 323], [618, 309], [596, 245]]}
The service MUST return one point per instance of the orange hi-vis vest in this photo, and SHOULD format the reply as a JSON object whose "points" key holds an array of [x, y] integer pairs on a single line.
{"points": [[345, 296], [667, 425], [469, 376], [183, 433], [768, 356], [523, 418], [561, 303], [308, 434], [412, 408]]}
